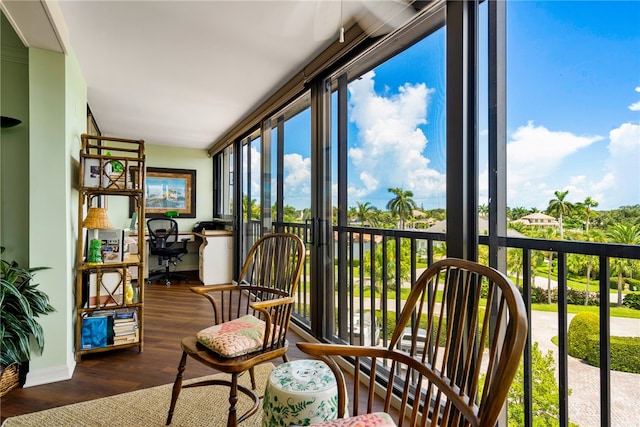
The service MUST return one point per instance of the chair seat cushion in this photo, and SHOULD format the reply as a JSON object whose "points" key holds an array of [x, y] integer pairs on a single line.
{"points": [[376, 419], [235, 337]]}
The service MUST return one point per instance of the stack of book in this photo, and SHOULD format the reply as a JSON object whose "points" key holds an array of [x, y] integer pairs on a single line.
{"points": [[125, 327], [109, 327]]}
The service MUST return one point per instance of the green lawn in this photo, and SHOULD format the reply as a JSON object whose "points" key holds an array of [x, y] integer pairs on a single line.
{"points": [[577, 283], [571, 308], [615, 311]]}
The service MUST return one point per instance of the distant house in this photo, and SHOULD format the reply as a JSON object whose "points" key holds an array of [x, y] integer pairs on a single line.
{"points": [[538, 219], [483, 228]]}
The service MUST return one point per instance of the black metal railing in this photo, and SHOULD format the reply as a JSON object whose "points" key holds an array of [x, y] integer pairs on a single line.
{"points": [[373, 266]]}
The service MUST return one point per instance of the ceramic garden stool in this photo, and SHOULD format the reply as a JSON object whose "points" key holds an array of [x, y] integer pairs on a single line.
{"points": [[300, 392]]}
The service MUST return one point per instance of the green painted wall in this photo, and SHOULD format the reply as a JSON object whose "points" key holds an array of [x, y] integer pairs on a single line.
{"points": [[57, 116], [47, 92], [14, 145]]}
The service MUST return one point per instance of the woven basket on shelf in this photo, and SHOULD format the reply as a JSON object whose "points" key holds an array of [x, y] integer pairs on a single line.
{"points": [[9, 378]]}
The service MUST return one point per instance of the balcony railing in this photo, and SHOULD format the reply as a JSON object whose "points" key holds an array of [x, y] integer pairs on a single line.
{"points": [[365, 256]]}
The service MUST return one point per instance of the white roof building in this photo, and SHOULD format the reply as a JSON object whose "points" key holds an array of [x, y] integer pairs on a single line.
{"points": [[538, 219]]}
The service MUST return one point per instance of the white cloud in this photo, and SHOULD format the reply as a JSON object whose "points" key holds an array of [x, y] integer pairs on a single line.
{"points": [[577, 180], [636, 105], [255, 173], [390, 142], [297, 181], [536, 154], [621, 183]]}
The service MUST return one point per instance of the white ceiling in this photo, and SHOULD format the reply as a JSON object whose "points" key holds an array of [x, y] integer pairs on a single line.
{"points": [[182, 73]]}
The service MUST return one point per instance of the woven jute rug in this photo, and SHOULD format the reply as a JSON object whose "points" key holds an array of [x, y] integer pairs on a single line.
{"points": [[198, 406]]}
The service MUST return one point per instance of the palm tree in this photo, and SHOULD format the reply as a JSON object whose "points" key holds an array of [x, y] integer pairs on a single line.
{"points": [[517, 213], [559, 206], [365, 213], [402, 205], [514, 263], [587, 205], [305, 214], [591, 236], [250, 209], [627, 234], [519, 227], [289, 213], [483, 210], [548, 234]]}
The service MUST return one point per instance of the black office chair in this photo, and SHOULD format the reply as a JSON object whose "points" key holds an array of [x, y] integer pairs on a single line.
{"points": [[163, 242]]}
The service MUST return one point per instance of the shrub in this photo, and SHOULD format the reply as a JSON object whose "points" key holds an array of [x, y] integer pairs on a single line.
{"points": [[624, 351], [582, 327], [627, 283], [577, 297], [539, 295], [584, 343], [484, 292], [634, 284], [632, 301], [545, 391]]}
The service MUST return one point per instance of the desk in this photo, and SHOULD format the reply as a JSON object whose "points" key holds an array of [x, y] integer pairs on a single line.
{"points": [[216, 256], [210, 252]]}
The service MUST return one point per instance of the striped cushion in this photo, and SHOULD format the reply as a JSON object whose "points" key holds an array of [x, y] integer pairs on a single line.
{"points": [[377, 419]]}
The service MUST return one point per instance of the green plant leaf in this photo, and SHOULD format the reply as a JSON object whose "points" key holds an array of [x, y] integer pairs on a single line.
{"points": [[21, 304]]}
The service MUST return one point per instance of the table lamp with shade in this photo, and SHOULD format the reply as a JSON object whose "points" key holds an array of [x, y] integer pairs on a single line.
{"points": [[96, 219]]}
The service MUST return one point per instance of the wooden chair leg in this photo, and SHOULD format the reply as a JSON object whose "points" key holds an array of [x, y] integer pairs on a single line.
{"points": [[177, 386], [253, 379], [232, 421]]}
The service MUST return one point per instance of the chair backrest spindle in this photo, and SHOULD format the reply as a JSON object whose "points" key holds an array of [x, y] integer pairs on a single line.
{"points": [[451, 358]]}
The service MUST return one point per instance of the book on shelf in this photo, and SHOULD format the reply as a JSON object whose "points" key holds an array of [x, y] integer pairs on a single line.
{"points": [[127, 339], [125, 325], [125, 330], [125, 315], [103, 313], [121, 323], [101, 328]]}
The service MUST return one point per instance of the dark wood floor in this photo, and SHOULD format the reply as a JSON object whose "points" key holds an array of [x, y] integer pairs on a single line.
{"points": [[170, 313]]}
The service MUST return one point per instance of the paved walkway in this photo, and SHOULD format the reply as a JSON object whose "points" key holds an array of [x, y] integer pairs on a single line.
{"points": [[584, 380]]}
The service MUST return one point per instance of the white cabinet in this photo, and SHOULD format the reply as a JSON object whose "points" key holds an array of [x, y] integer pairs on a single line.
{"points": [[216, 257]]}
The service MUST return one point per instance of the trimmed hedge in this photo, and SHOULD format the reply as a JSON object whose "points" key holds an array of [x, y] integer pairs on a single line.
{"points": [[584, 343], [582, 328], [625, 353], [627, 283]]}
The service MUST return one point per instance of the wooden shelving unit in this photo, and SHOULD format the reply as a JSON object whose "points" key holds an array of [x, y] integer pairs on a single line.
{"points": [[109, 167]]}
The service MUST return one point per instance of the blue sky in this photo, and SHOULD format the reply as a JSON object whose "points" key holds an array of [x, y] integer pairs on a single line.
{"points": [[573, 113]]}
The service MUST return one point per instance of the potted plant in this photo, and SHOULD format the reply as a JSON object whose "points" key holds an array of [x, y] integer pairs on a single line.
{"points": [[21, 303]]}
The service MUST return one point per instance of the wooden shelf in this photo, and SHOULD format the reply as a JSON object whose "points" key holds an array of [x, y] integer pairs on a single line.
{"points": [[104, 291]]}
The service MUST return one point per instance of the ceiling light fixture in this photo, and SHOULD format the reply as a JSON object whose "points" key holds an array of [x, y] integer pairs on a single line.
{"points": [[341, 35]]}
